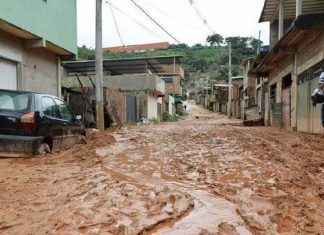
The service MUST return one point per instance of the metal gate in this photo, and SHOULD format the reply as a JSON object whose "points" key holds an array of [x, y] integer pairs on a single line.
{"points": [[277, 115], [8, 75], [308, 117], [131, 108], [303, 101]]}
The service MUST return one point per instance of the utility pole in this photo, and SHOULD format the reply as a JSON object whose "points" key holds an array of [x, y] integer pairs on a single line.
{"points": [[229, 106], [100, 120], [258, 49]]}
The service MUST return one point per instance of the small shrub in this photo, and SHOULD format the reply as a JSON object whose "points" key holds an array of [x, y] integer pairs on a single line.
{"points": [[154, 120], [166, 117]]}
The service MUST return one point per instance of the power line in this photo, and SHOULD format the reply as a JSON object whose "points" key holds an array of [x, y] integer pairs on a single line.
{"points": [[115, 21], [180, 21], [136, 21], [193, 4], [151, 18]]}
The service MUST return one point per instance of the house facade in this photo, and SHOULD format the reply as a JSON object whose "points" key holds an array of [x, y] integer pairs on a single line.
{"points": [[173, 76], [134, 87], [289, 72], [34, 37]]}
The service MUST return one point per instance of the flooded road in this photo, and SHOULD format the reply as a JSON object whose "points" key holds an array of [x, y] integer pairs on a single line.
{"points": [[203, 175]]}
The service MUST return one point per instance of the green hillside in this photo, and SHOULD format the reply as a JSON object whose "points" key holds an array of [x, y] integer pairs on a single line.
{"points": [[212, 60]]}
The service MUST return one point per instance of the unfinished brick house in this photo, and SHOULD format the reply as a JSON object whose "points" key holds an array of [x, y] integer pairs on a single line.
{"points": [[173, 76], [134, 87], [289, 72]]}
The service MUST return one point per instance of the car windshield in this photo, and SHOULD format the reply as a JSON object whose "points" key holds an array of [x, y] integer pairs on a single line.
{"points": [[14, 101]]}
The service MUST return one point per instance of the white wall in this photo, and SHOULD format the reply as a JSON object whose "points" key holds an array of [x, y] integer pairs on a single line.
{"points": [[152, 106], [171, 104], [37, 68]]}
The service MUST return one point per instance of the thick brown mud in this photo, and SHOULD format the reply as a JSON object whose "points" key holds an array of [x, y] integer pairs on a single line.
{"points": [[203, 175]]}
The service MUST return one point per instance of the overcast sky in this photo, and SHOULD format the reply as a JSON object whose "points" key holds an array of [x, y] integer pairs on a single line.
{"points": [[178, 17]]}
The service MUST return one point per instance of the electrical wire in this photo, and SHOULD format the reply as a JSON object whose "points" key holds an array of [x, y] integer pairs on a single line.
{"points": [[116, 25], [151, 18], [193, 4], [180, 21], [136, 21]]}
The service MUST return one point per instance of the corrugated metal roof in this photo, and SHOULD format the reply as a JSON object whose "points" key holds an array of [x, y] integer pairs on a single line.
{"points": [[302, 27], [123, 66], [270, 9]]}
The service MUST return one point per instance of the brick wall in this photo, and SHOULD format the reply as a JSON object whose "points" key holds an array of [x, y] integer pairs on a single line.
{"points": [[169, 68], [174, 87]]}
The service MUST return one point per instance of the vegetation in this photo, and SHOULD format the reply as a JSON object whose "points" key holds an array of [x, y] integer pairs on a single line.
{"points": [[210, 59], [166, 117], [154, 121]]}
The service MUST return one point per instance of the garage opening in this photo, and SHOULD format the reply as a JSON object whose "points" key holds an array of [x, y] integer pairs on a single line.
{"points": [[8, 74]]}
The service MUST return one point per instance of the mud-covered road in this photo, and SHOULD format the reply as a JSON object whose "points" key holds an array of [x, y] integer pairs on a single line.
{"points": [[203, 175]]}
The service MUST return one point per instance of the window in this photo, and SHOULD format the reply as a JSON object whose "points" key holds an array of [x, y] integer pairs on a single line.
{"points": [[49, 108], [167, 79], [66, 113], [286, 81], [10, 100]]}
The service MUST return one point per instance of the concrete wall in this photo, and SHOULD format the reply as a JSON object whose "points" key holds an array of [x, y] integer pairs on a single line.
{"points": [[135, 83], [37, 68], [53, 21], [152, 106]]}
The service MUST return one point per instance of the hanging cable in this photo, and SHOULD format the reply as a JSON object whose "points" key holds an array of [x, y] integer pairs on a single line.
{"points": [[151, 18], [193, 4], [116, 25], [136, 21], [177, 20]]}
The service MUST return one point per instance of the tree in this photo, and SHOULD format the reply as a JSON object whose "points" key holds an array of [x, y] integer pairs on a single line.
{"points": [[179, 46], [215, 39], [86, 53]]}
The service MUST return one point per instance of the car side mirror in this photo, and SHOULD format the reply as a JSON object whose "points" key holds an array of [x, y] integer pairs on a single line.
{"points": [[78, 118]]}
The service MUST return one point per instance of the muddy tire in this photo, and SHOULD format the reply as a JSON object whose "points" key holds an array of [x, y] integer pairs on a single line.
{"points": [[43, 148], [83, 140]]}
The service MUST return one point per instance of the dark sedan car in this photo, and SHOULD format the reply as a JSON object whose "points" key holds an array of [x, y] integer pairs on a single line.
{"points": [[36, 123]]}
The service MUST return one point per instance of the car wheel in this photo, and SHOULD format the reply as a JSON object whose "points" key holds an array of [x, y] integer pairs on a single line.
{"points": [[43, 148], [83, 140]]}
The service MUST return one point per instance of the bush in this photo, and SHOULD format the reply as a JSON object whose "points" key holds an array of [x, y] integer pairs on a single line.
{"points": [[154, 120], [166, 117]]}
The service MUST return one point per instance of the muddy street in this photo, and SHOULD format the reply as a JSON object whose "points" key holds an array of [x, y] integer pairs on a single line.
{"points": [[203, 175]]}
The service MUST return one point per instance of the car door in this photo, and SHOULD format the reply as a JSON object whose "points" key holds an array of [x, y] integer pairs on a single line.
{"points": [[51, 124], [72, 129]]}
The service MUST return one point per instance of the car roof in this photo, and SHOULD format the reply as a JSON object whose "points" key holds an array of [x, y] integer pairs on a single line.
{"points": [[27, 92]]}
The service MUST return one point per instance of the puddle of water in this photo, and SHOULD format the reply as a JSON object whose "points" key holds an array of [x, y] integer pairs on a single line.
{"points": [[208, 213]]}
